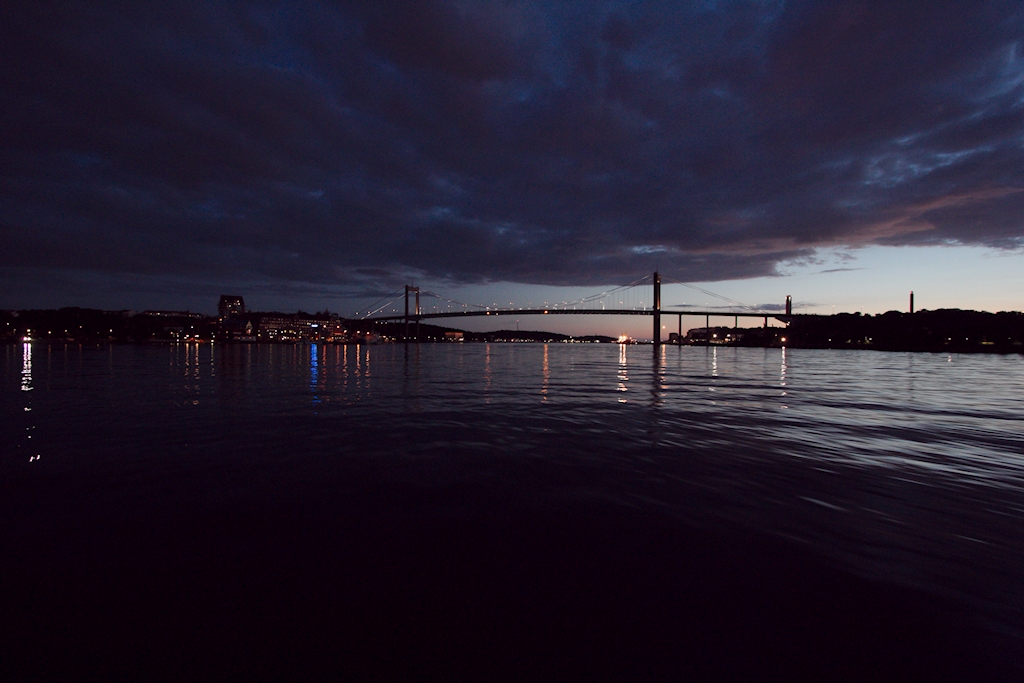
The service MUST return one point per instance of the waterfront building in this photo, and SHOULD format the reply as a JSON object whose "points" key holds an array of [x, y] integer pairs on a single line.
{"points": [[300, 327]]}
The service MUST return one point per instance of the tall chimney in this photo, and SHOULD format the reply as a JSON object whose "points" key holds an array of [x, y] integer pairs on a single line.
{"points": [[911, 302], [789, 305]]}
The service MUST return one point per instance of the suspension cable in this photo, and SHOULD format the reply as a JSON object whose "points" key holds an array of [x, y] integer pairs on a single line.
{"points": [[390, 298], [374, 308], [583, 300], [710, 293]]}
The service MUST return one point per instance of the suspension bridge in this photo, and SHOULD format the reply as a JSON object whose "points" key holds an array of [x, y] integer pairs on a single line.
{"points": [[625, 299]]}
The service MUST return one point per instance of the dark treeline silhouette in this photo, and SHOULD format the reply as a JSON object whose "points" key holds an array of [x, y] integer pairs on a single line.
{"points": [[91, 325], [941, 330]]}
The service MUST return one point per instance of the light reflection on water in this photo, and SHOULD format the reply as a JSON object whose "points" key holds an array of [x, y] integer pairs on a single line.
{"points": [[26, 385], [546, 377], [314, 371], [623, 375], [26, 367], [906, 466]]}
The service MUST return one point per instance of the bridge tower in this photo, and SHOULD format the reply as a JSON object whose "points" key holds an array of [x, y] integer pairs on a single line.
{"points": [[408, 289], [657, 309]]}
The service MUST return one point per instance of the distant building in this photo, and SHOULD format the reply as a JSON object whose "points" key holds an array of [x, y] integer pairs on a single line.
{"points": [[237, 329], [284, 327], [230, 306], [274, 327], [712, 335], [454, 336]]}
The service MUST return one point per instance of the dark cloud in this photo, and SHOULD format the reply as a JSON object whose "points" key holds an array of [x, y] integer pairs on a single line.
{"points": [[341, 144]]}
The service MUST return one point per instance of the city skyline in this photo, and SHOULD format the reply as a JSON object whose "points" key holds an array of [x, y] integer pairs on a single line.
{"points": [[314, 155], [932, 293]]}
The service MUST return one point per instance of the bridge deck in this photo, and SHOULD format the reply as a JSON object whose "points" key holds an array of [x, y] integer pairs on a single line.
{"points": [[563, 311]]}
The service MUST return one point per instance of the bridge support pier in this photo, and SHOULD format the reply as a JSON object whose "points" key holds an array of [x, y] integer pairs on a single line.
{"points": [[657, 310]]}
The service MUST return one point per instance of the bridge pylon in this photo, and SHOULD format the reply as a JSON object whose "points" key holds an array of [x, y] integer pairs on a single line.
{"points": [[409, 288], [657, 309]]}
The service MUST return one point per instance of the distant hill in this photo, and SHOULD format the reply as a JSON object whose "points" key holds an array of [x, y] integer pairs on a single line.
{"points": [[532, 336]]}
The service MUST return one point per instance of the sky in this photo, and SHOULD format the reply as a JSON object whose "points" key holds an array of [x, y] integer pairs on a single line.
{"points": [[312, 155]]}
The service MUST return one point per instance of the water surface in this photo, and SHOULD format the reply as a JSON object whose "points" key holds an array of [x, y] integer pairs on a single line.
{"points": [[470, 508]]}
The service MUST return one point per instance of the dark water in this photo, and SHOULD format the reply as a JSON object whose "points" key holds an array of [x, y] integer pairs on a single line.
{"points": [[515, 512]]}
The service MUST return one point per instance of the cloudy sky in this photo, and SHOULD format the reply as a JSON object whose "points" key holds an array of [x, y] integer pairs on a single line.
{"points": [[312, 154]]}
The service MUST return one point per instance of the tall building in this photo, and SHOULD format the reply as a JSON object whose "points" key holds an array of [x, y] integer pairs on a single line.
{"points": [[230, 306]]}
